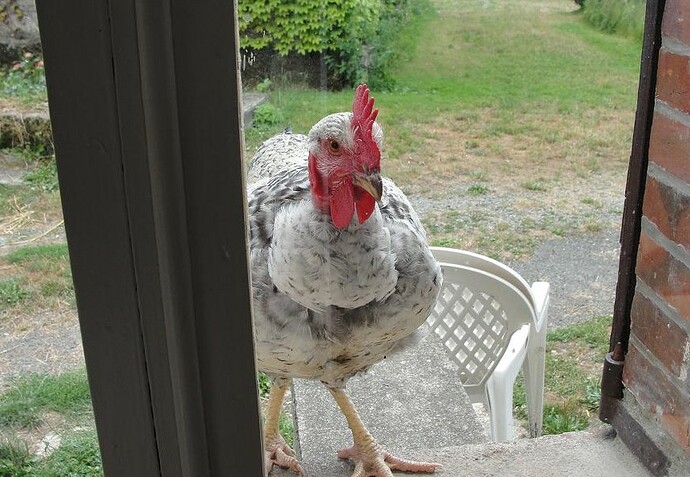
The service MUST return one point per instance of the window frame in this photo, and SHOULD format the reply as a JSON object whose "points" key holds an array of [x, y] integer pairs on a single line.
{"points": [[146, 113]]}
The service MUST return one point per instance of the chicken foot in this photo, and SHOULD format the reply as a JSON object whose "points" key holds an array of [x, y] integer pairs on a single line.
{"points": [[276, 450], [370, 459]]}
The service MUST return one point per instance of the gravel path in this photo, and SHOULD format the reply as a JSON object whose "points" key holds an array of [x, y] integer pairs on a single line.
{"points": [[582, 269], [582, 272]]}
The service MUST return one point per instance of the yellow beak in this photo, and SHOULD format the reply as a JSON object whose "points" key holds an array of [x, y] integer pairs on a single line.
{"points": [[371, 183]]}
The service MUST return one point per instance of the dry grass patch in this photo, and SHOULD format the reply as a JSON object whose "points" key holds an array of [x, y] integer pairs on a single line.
{"points": [[549, 147], [500, 182]]}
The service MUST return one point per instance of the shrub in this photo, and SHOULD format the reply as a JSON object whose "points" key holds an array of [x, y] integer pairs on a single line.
{"points": [[367, 52], [302, 26], [267, 115], [24, 77], [354, 36], [624, 17]]}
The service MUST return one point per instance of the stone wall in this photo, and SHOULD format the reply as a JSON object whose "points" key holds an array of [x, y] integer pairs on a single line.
{"points": [[18, 29]]}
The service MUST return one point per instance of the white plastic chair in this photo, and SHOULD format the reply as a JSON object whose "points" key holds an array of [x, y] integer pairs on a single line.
{"points": [[492, 324]]}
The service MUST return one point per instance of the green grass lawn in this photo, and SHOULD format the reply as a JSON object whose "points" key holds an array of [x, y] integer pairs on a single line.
{"points": [[496, 98], [460, 62]]}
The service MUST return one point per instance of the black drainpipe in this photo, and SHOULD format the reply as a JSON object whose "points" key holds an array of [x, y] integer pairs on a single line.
{"points": [[612, 375]]}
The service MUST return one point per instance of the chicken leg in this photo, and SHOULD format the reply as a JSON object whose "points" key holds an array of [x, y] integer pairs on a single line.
{"points": [[370, 459], [276, 450]]}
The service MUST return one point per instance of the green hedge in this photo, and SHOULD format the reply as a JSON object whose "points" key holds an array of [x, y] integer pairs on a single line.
{"points": [[354, 35]]}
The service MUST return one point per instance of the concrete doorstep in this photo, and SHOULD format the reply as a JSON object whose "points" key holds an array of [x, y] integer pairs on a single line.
{"points": [[574, 454], [414, 405]]}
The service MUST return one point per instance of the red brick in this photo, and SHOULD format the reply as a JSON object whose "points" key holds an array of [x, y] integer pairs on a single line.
{"points": [[655, 392], [655, 206], [669, 209], [679, 428], [661, 336], [668, 277], [670, 146], [650, 258], [654, 389], [682, 228], [676, 22], [673, 80]]}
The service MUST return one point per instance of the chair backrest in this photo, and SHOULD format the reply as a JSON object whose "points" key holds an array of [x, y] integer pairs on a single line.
{"points": [[475, 316], [482, 262]]}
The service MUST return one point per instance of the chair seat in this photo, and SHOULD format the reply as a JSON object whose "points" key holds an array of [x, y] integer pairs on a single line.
{"points": [[493, 325]]}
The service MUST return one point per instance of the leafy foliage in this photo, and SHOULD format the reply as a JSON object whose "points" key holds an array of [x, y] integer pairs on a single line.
{"points": [[624, 17], [264, 384], [355, 36], [77, 455], [267, 115], [15, 459], [44, 175], [560, 419], [11, 292], [301, 26], [24, 78]]}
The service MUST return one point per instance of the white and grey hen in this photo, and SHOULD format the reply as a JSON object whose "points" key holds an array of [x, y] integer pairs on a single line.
{"points": [[341, 272]]}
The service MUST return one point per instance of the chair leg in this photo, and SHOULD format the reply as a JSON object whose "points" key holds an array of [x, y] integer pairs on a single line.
{"points": [[533, 371], [499, 393], [533, 367]]}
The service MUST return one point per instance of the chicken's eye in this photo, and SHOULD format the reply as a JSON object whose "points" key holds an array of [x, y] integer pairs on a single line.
{"points": [[334, 146]]}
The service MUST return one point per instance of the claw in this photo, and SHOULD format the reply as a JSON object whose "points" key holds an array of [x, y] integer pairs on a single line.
{"points": [[282, 455], [383, 463]]}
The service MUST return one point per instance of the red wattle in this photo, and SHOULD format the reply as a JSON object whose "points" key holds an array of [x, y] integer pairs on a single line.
{"points": [[342, 205], [365, 204]]}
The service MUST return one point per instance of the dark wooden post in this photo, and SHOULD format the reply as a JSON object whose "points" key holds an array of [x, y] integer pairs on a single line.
{"points": [[144, 101], [612, 374]]}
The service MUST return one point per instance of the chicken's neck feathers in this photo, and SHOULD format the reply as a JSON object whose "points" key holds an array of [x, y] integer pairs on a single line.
{"points": [[318, 265]]}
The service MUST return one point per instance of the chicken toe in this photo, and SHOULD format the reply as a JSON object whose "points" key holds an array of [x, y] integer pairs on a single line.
{"points": [[369, 458], [381, 463], [276, 450], [282, 455]]}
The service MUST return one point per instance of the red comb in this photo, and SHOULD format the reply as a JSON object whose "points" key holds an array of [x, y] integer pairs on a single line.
{"points": [[363, 117], [363, 112]]}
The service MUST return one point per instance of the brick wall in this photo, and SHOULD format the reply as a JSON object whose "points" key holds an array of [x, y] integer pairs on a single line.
{"points": [[656, 367]]}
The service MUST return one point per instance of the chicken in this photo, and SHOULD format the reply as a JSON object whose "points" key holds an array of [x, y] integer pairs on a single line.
{"points": [[342, 275]]}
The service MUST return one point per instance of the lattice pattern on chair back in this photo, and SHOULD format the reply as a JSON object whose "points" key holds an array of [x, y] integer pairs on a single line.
{"points": [[473, 328]]}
